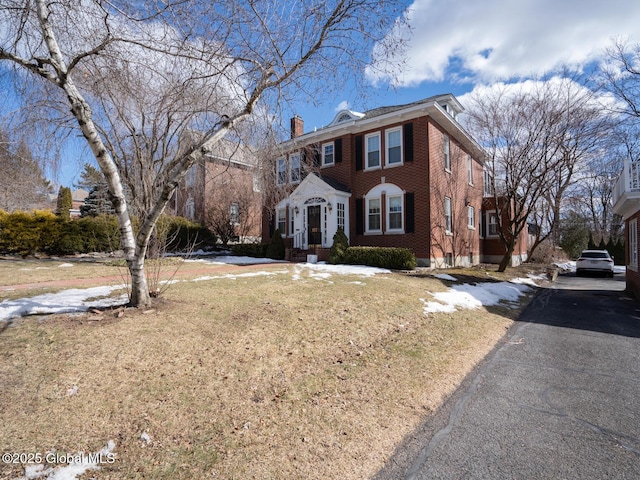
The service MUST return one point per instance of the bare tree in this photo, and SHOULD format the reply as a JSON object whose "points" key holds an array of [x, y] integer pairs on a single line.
{"points": [[23, 185], [535, 135], [621, 76], [138, 76]]}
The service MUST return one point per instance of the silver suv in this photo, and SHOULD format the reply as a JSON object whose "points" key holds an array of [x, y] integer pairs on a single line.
{"points": [[598, 261]]}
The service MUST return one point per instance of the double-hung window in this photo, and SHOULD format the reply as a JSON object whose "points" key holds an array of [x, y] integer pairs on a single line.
{"points": [[282, 221], [372, 143], [281, 171], [394, 146], [492, 224], [447, 152], [374, 223], [294, 168], [448, 219], [470, 169], [234, 213], [471, 217], [328, 154], [394, 205], [340, 208]]}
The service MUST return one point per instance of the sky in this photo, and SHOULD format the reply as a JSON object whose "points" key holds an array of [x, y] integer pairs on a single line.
{"points": [[456, 46]]}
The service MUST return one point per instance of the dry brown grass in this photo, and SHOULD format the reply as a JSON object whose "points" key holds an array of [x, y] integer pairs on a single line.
{"points": [[258, 377]]}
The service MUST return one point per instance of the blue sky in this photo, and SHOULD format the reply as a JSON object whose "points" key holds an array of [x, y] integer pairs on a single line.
{"points": [[457, 46]]}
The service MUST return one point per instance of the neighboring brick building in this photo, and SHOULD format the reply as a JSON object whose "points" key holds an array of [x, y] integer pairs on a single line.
{"points": [[402, 176], [222, 193]]}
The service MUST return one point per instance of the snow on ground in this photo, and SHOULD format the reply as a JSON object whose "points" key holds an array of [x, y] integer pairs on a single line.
{"points": [[467, 296], [445, 276], [73, 466], [325, 270], [233, 260], [65, 265], [234, 276], [66, 301]]}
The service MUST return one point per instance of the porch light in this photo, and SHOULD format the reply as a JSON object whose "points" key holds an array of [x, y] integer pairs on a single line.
{"points": [[296, 210], [329, 206]]}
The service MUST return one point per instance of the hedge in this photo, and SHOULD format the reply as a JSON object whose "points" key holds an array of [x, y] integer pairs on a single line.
{"points": [[27, 233], [256, 250], [383, 257]]}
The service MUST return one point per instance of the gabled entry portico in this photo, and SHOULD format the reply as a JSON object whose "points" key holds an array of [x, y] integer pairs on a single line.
{"points": [[309, 218]]}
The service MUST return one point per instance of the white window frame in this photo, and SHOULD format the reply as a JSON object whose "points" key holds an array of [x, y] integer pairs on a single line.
{"points": [[192, 176], [471, 218], [281, 220], [446, 151], [491, 215], [389, 212], [281, 171], [234, 213], [633, 244], [367, 151], [379, 214], [470, 169], [448, 218], [293, 177], [340, 212], [388, 146], [328, 159]]}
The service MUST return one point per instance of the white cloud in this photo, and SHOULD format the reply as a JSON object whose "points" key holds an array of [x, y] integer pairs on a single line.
{"points": [[500, 40]]}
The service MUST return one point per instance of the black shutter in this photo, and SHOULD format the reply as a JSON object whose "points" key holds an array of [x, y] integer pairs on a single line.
{"points": [[304, 168], [316, 156], [338, 150], [359, 152], [409, 216], [408, 141], [359, 216]]}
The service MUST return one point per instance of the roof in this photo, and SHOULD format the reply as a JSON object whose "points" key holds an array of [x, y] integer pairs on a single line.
{"points": [[336, 185]]}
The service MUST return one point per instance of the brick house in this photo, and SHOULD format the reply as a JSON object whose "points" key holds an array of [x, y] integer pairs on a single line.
{"points": [[626, 203], [222, 193], [401, 176]]}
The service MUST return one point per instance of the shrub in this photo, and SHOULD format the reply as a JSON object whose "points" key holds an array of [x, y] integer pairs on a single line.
{"points": [[384, 257], [275, 249], [26, 233], [257, 250], [339, 247]]}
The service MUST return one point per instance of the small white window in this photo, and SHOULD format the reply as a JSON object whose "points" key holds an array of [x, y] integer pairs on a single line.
{"points": [[372, 142], [282, 221], [234, 212], [192, 175], [373, 215], [282, 171], [471, 218], [633, 243], [328, 154], [394, 221], [294, 168], [492, 224], [446, 152], [448, 220], [394, 146], [470, 169], [340, 208]]}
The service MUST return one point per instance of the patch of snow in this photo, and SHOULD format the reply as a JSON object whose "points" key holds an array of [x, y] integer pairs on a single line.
{"points": [[361, 270], [568, 266], [145, 438], [445, 276], [234, 276], [66, 301], [530, 280], [72, 391], [468, 296], [65, 265], [619, 269], [233, 260], [77, 465]]}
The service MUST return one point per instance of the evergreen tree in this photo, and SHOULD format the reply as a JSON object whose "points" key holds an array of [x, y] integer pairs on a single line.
{"points": [[602, 245], [592, 244], [97, 202], [276, 250], [90, 177], [65, 203]]}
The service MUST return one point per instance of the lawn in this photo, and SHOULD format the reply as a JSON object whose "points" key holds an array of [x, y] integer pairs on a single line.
{"points": [[281, 373]]}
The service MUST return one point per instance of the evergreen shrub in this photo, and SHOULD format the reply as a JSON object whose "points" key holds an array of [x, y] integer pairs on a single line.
{"points": [[383, 257]]}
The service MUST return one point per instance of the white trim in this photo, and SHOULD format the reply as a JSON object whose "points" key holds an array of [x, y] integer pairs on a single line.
{"points": [[633, 244], [333, 155], [488, 233], [388, 214], [367, 212], [470, 169], [448, 216], [471, 217], [446, 152]]}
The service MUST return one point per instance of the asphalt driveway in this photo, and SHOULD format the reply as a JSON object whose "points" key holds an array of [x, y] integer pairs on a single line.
{"points": [[558, 399]]}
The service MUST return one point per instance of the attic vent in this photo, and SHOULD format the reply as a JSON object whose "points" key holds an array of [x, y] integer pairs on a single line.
{"points": [[345, 117]]}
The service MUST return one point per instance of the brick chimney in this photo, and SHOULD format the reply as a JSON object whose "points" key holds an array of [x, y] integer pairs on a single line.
{"points": [[297, 126]]}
